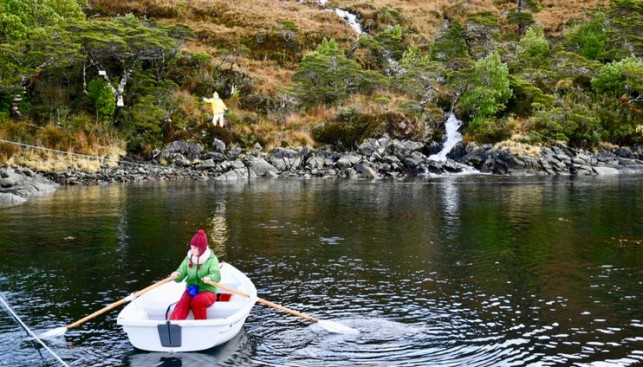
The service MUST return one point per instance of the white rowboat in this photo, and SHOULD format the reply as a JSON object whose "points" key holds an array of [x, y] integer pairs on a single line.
{"points": [[145, 320]]}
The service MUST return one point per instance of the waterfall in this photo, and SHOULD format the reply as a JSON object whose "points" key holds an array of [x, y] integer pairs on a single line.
{"points": [[453, 137], [350, 18]]}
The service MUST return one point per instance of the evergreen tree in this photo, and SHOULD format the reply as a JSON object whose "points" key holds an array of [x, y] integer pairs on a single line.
{"points": [[120, 46], [533, 45], [589, 38], [520, 16], [489, 87], [450, 43], [488, 92], [625, 31], [327, 76], [32, 38], [104, 101]]}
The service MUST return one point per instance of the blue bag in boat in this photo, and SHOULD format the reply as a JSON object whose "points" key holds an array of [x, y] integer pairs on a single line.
{"points": [[193, 290]]}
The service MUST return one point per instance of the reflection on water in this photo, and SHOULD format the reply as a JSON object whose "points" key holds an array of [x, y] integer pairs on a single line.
{"points": [[450, 199], [234, 353], [217, 230], [443, 271]]}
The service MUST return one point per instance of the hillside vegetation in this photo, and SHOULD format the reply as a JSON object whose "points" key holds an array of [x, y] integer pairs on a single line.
{"points": [[106, 77]]}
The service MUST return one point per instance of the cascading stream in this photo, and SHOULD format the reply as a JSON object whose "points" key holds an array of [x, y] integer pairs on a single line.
{"points": [[453, 137], [349, 17]]}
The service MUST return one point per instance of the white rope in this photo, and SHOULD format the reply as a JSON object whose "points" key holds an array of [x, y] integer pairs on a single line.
{"points": [[77, 154], [31, 333]]}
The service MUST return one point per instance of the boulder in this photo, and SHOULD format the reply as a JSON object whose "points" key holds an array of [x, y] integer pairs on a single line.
{"points": [[285, 159], [215, 156], [370, 173], [404, 148], [9, 199], [16, 185], [260, 168], [218, 146], [190, 151], [606, 171]]}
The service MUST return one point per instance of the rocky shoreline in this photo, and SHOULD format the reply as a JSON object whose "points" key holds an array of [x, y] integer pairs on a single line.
{"points": [[380, 158]]}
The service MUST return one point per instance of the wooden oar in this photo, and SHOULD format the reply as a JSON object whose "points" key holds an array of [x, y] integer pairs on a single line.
{"points": [[62, 330], [333, 327]]}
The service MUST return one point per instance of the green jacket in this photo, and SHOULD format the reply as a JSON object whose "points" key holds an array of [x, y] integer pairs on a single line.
{"points": [[210, 268]]}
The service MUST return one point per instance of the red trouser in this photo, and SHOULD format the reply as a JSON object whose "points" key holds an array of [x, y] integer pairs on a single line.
{"points": [[199, 305]]}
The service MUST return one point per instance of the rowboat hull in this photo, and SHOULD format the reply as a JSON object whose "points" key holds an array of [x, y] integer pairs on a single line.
{"points": [[145, 319]]}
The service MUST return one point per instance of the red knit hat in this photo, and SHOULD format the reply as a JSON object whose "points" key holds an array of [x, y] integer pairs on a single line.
{"points": [[200, 241]]}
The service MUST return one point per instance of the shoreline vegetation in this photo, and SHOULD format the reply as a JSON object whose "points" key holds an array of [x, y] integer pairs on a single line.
{"points": [[540, 86]]}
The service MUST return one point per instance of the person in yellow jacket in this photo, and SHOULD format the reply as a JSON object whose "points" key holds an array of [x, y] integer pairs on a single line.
{"points": [[218, 108]]}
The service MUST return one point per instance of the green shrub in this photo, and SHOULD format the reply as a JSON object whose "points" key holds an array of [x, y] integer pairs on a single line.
{"points": [[620, 77], [489, 129], [570, 122], [327, 76], [533, 45], [450, 44], [489, 89], [588, 38], [144, 125], [104, 100], [346, 135], [526, 97]]}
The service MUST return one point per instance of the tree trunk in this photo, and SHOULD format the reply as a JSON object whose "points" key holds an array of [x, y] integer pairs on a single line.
{"points": [[17, 99], [520, 7]]}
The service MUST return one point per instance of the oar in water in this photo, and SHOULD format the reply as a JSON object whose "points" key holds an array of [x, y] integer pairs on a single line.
{"points": [[333, 327], [62, 330]]}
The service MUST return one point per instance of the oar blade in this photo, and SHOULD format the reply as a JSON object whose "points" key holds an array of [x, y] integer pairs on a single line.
{"points": [[54, 332], [337, 328]]}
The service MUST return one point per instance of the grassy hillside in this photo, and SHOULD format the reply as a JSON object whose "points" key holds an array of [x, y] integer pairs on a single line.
{"points": [[267, 38], [129, 74]]}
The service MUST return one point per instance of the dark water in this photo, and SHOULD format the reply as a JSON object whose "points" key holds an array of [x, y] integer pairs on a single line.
{"points": [[476, 271]]}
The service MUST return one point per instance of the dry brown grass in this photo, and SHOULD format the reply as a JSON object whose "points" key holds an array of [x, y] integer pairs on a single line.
{"points": [[321, 113], [270, 76], [81, 150], [47, 161], [519, 149], [226, 24], [555, 14], [240, 18], [377, 102], [425, 17], [275, 131]]}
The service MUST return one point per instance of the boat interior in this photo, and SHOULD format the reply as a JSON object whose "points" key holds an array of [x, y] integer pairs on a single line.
{"points": [[160, 308]]}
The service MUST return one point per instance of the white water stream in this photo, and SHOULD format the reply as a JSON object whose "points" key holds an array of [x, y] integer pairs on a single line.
{"points": [[452, 124], [349, 17], [453, 137]]}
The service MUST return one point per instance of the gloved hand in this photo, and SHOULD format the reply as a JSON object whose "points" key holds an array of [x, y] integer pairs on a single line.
{"points": [[193, 290]]}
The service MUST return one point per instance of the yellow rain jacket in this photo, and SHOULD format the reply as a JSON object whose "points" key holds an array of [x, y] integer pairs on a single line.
{"points": [[217, 104]]}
